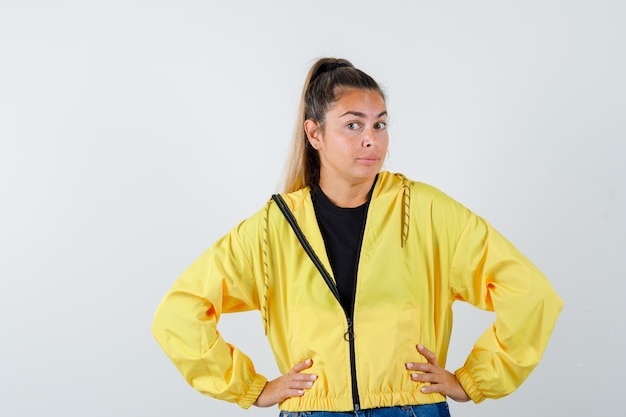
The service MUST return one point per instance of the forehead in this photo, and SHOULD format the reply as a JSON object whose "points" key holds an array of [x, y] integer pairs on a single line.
{"points": [[358, 100]]}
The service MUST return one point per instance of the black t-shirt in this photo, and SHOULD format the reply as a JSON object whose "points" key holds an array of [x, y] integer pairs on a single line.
{"points": [[342, 230]]}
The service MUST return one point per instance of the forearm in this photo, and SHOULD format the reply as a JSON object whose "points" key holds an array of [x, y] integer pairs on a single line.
{"points": [[490, 273], [186, 331]]}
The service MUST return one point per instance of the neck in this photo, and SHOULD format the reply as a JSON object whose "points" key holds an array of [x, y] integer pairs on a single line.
{"points": [[346, 195]]}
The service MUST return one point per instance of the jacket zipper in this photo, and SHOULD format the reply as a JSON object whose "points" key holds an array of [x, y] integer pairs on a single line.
{"points": [[355, 390], [307, 247], [349, 334]]}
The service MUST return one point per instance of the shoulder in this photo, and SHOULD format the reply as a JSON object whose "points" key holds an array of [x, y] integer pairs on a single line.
{"points": [[269, 213], [427, 203], [398, 182], [295, 200]]}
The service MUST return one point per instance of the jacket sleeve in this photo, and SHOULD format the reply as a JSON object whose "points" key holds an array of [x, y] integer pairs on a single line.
{"points": [[490, 273], [220, 281]]}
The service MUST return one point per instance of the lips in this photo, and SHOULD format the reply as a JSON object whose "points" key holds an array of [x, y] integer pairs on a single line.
{"points": [[369, 160]]}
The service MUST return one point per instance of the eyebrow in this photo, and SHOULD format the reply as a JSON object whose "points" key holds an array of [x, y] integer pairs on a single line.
{"points": [[359, 114]]}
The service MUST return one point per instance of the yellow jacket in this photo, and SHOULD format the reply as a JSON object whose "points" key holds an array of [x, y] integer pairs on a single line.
{"points": [[421, 251]]}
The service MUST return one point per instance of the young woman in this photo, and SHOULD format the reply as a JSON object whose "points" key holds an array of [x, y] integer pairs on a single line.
{"points": [[354, 272]]}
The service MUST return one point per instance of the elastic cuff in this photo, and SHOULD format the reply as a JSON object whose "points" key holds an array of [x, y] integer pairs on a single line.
{"points": [[254, 390], [468, 384]]}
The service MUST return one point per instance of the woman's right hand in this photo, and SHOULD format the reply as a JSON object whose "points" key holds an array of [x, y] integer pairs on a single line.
{"points": [[292, 384]]}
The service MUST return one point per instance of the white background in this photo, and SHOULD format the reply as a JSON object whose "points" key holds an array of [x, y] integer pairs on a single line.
{"points": [[133, 134]]}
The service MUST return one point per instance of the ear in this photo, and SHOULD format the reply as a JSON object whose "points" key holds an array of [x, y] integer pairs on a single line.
{"points": [[313, 132]]}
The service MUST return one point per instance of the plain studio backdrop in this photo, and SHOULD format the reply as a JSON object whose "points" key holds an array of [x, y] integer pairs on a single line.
{"points": [[133, 134]]}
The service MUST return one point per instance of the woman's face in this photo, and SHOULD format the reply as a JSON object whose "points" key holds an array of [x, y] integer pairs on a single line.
{"points": [[352, 143]]}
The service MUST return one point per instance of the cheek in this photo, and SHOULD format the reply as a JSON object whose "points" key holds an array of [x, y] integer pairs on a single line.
{"points": [[384, 140], [346, 145]]}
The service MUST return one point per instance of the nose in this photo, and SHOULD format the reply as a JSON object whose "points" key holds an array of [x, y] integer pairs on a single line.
{"points": [[368, 137]]}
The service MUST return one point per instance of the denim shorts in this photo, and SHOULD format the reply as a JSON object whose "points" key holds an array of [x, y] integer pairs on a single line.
{"points": [[424, 410]]}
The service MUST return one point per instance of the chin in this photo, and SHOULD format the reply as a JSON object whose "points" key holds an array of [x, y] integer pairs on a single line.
{"points": [[368, 174]]}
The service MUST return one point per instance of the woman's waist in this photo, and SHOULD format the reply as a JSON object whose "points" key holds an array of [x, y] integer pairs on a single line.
{"points": [[314, 400]]}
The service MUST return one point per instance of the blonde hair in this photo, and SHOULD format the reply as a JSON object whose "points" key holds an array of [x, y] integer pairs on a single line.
{"points": [[322, 87]]}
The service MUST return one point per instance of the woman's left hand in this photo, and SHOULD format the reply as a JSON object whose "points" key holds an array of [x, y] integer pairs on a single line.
{"points": [[440, 380]]}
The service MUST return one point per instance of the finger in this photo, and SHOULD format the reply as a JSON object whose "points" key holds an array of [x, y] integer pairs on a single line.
{"points": [[303, 377], [301, 384], [421, 367], [424, 377], [432, 388], [294, 393], [301, 366], [432, 359]]}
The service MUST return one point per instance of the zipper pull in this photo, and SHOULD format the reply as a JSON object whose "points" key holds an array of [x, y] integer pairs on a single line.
{"points": [[348, 336]]}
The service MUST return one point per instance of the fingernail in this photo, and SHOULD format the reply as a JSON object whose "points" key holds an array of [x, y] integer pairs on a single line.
{"points": [[409, 365], [423, 389], [308, 361], [313, 377], [420, 347], [309, 384], [413, 376], [300, 391]]}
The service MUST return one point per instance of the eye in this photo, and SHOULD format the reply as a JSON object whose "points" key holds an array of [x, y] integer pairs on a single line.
{"points": [[380, 126], [353, 126]]}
